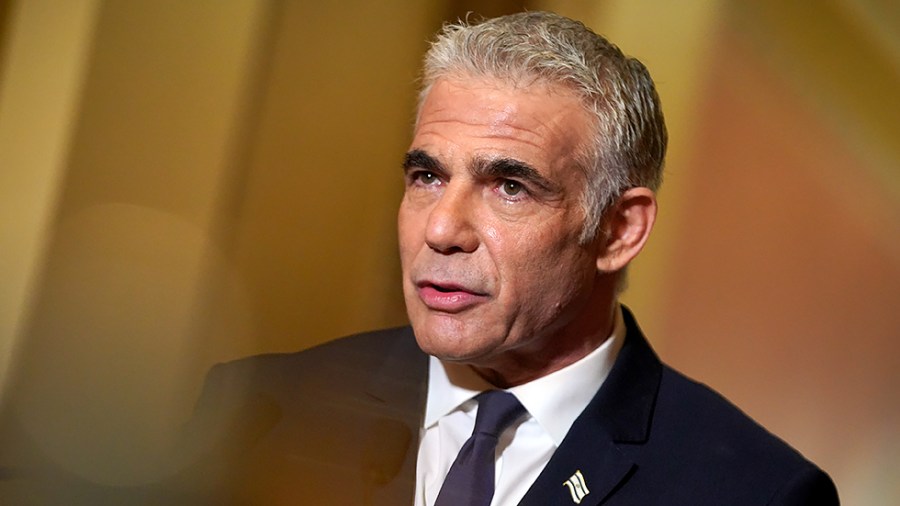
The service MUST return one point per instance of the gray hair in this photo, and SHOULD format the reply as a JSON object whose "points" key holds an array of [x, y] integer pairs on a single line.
{"points": [[629, 141]]}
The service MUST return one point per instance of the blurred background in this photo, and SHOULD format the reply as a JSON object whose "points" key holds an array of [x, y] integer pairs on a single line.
{"points": [[188, 182]]}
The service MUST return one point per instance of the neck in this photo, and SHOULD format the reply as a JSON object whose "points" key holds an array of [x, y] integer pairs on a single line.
{"points": [[556, 351]]}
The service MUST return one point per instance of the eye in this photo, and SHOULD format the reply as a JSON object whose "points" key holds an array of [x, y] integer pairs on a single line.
{"points": [[511, 188], [425, 178]]}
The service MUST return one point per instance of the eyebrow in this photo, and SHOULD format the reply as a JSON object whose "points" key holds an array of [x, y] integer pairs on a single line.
{"points": [[510, 168], [485, 168], [418, 158]]}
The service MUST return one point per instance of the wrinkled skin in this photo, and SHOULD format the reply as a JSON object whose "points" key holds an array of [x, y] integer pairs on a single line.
{"points": [[494, 274]]}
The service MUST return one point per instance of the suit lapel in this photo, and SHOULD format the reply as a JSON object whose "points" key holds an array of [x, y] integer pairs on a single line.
{"points": [[582, 472], [588, 466]]}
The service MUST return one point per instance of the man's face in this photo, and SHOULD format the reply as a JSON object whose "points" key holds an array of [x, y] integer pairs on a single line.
{"points": [[493, 272]]}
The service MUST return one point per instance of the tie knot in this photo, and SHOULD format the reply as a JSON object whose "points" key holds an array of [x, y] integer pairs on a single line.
{"points": [[496, 411]]}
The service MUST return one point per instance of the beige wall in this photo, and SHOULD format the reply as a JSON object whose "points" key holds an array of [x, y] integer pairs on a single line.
{"points": [[43, 56], [189, 182], [226, 185]]}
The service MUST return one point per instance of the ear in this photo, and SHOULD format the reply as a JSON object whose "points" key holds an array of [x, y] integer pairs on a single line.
{"points": [[626, 227]]}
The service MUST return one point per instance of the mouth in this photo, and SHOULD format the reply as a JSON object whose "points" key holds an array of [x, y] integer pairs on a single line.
{"points": [[448, 297]]}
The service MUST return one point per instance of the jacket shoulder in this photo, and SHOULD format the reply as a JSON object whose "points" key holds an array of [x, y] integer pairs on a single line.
{"points": [[282, 424], [339, 364], [712, 443]]}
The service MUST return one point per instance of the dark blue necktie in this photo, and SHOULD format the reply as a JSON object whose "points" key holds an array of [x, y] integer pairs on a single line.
{"points": [[470, 481]]}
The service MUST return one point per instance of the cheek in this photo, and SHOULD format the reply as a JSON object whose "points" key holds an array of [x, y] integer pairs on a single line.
{"points": [[410, 233], [551, 269], [492, 235]]}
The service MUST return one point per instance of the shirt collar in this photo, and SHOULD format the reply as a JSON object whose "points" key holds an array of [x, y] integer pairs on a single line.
{"points": [[554, 401]]}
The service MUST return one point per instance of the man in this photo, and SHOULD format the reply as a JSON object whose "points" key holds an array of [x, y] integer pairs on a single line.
{"points": [[530, 187]]}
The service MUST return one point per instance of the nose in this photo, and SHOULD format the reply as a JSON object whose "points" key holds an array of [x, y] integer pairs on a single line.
{"points": [[450, 227]]}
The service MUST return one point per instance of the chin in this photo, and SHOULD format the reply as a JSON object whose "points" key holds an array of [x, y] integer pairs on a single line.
{"points": [[440, 344], [447, 342]]}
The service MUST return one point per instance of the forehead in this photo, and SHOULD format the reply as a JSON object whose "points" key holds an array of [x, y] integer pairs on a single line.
{"points": [[466, 117]]}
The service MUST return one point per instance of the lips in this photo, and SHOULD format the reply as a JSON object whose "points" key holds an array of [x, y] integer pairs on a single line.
{"points": [[448, 297]]}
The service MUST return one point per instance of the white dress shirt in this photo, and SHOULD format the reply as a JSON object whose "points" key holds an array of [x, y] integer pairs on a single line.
{"points": [[553, 403]]}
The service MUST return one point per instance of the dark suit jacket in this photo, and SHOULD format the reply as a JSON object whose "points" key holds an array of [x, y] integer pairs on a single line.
{"points": [[338, 424]]}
